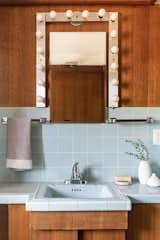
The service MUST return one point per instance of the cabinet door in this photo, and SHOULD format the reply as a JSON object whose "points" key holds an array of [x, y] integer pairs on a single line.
{"points": [[18, 221], [104, 235], [144, 222], [54, 235], [77, 94]]}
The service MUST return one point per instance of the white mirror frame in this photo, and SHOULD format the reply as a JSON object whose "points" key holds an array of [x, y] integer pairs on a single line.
{"points": [[76, 18]]}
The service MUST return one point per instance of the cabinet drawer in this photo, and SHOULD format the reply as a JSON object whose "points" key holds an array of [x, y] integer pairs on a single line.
{"points": [[78, 220]]}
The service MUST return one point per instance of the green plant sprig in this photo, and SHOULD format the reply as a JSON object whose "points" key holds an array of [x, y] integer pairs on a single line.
{"points": [[141, 150]]}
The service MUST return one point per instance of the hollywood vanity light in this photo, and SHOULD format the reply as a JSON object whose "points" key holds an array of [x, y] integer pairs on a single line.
{"points": [[77, 17]]}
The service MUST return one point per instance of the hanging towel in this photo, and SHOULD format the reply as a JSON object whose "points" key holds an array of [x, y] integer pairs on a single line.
{"points": [[19, 144]]}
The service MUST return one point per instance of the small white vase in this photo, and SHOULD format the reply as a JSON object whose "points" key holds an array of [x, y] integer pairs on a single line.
{"points": [[144, 171]]}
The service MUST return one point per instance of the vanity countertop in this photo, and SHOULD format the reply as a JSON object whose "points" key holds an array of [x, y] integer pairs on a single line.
{"points": [[21, 192], [16, 193], [139, 193]]}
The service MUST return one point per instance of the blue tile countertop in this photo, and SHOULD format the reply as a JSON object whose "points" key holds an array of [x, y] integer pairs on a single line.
{"points": [[90, 197], [16, 193], [139, 193], [22, 193]]}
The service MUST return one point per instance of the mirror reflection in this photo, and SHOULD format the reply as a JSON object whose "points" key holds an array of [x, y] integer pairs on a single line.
{"points": [[80, 48]]}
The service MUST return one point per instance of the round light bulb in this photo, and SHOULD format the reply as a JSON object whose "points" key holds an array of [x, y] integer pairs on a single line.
{"points": [[39, 17], [113, 33], [40, 82], [39, 35], [40, 66], [101, 13], [52, 14], [69, 13], [115, 99], [115, 82], [40, 50], [85, 13], [113, 17], [40, 99], [114, 66], [114, 49]]}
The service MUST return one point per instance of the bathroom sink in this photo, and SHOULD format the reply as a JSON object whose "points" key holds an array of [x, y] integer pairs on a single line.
{"points": [[79, 191], [78, 197]]}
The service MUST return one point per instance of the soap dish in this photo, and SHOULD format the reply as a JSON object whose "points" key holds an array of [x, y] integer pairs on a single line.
{"points": [[123, 180]]}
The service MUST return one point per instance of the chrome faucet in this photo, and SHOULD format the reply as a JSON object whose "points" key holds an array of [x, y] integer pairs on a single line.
{"points": [[75, 172], [76, 176]]}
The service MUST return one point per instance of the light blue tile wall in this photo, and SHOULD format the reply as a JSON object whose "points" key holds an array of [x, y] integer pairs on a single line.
{"points": [[100, 148]]}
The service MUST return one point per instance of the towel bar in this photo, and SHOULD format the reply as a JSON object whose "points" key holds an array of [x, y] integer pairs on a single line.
{"points": [[38, 120], [116, 120]]}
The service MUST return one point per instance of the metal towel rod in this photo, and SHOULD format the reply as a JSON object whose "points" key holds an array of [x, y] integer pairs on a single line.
{"points": [[38, 120], [116, 120]]}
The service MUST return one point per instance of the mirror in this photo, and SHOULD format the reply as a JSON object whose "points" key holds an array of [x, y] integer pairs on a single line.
{"points": [[78, 76], [79, 48], [87, 54]]}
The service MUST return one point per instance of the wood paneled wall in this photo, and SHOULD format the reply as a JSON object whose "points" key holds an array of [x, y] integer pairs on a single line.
{"points": [[139, 53], [3, 222]]}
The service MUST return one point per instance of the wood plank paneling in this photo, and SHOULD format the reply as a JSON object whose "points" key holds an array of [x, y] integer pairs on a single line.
{"points": [[139, 53], [144, 222], [154, 57], [17, 58], [134, 58], [54, 235], [104, 235], [72, 2], [18, 221], [78, 220]]}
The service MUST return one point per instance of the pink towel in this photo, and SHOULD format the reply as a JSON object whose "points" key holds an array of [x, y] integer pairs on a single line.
{"points": [[19, 143]]}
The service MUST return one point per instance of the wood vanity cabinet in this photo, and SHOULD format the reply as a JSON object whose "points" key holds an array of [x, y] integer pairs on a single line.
{"points": [[144, 222], [18, 222], [77, 93], [78, 225]]}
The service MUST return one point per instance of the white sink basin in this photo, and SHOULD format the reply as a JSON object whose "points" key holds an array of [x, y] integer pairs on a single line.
{"points": [[78, 197], [78, 191]]}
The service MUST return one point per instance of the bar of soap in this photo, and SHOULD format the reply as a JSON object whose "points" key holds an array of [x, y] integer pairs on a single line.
{"points": [[123, 180]]}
